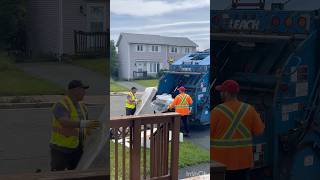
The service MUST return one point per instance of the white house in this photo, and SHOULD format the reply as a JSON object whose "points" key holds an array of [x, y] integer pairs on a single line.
{"points": [[149, 53]]}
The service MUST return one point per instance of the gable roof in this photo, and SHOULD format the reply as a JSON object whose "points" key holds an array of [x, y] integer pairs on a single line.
{"points": [[156, 39]]}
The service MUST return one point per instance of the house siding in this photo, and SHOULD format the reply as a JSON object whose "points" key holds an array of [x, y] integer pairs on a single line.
{"points": [[42, 23], [72, 20], [130, 59], [123, 60]]}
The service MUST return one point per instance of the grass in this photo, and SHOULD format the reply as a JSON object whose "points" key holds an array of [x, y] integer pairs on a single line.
{"points": [[14, 81], [148, 83], [189, 154], [97, 65], [115, 87]]}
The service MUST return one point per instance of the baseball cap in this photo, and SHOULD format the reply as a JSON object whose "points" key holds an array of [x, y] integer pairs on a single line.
{"points": [[182, 88], [230, 86], [77, 83]]}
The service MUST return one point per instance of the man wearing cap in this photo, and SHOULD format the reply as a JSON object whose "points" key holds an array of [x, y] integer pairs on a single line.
{"points": [[70, 126], [233, 124], [182, 103], [132, 102]]}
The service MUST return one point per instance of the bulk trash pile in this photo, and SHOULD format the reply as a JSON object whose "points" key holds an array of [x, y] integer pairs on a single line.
{"points": [[161, 103]]}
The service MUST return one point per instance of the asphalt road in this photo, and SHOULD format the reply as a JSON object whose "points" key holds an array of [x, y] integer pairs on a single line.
{"points": [[24, 137]]}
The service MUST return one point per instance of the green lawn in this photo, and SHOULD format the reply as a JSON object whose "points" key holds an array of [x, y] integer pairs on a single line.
{"points": [[148, 83], [115, 87], [14, 81], [189, 155], [96, 65]]}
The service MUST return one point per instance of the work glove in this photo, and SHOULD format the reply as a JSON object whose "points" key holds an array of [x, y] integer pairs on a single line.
{"points": [[138, 101], [91, 124]]}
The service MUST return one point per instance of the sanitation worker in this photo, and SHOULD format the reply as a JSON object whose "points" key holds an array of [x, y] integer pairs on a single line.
{"points": [[233, 124], [70, 126], [182, 103], [132, 102]]}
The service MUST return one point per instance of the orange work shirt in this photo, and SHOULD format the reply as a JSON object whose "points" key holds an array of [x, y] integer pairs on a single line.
{"points": [[181, 103], [231, 143]]}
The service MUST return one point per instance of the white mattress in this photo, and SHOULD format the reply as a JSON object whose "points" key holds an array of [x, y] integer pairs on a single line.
{"points": [[94, 143], [146, 98]]}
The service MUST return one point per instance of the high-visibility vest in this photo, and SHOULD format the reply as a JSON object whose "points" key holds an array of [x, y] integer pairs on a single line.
{"points": [[129, 104], [228, 141], [183, 106], [67, 137]]}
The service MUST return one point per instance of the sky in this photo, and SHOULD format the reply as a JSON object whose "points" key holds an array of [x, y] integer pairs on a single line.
{"points": [[176, 18]]}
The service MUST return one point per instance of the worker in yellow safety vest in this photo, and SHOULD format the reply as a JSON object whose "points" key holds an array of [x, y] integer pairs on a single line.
{"points": [[132, 102], [70, 126], [182, 103]]}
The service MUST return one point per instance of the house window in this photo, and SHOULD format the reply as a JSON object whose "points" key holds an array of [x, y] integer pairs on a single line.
{"points": [[96, 26], [187, 50], [96, 17], [155, 48], [154, 67], [174, 50], [139, 48]]}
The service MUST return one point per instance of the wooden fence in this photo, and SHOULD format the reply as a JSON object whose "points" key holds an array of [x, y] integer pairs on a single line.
{"points": [[163, 163], [91, 43]]}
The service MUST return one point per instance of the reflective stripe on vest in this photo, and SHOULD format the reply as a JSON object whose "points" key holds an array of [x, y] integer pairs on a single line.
{"points": [[128, 104], [225, 143], [66, 137], [235, 125], [183, 103]]}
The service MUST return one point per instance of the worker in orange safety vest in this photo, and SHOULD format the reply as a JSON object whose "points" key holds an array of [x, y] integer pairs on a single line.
{"points": [[233, 124], [182, 103]]}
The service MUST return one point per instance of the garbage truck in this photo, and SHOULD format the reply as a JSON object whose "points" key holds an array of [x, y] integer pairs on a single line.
{"points": [[192, 72], [274, 55]]}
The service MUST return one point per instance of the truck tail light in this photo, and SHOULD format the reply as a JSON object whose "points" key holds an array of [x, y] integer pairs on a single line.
{"points": [[288, 22], [302, 22], [275, 21]]}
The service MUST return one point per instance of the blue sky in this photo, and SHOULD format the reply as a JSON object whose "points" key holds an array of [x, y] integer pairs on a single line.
{"points": [[187, 18]]}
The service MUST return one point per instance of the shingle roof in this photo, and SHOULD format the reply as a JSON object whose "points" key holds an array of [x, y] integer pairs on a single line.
{"points": [[156, 39]]}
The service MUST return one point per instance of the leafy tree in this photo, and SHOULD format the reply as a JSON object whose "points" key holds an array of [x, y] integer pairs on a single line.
{"points": [[114, 65], [12, 23]]}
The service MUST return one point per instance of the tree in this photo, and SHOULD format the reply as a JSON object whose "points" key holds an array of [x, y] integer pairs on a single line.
{"points": [[114, 65], [12, 23]]}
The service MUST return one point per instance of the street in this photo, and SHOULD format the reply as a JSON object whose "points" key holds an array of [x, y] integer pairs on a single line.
{"points": [[24, 138]]}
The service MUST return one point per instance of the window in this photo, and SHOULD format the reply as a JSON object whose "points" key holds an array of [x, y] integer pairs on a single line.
{"points": [[96, 26], [96, 17], [154, 67], [174, 49], [155, 48], [140, 48], [187, 50]]}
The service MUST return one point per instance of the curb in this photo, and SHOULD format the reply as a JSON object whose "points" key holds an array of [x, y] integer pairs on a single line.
{"points": [[33, 105]]}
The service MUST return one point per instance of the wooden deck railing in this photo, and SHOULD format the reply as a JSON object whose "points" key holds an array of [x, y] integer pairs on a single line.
{"points": [[90, 43], [135, 130]]}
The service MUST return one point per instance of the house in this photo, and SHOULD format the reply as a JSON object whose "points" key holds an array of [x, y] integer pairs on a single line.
{"points": [[51, 24], [142, 54]]}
